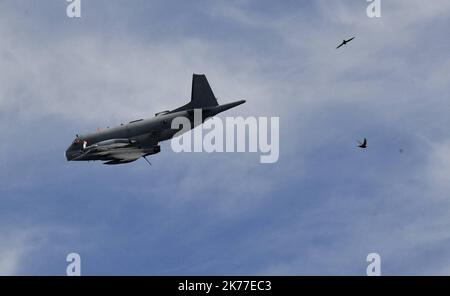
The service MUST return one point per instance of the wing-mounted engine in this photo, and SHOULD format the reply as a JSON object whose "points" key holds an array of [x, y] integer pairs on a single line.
{"points": [[126, 155], [112, 144], [152, 150]]}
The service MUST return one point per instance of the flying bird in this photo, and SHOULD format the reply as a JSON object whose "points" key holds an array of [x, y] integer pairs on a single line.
{"points": [[344, 42], [363, 145]]}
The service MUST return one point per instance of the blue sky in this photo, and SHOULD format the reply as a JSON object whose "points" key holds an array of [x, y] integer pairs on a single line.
{"points": [[319, 210]]}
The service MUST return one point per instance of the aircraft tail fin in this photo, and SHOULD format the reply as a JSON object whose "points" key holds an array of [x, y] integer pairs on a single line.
{"points": [[202, 95]]}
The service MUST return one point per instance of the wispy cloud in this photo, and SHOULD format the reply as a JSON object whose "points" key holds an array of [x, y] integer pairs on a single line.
{"points": [[319, 210]]}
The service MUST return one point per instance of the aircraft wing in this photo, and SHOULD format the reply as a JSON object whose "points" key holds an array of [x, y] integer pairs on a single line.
{"points": [[117, 151], [147, 141], [124, 155], [131, 153]]}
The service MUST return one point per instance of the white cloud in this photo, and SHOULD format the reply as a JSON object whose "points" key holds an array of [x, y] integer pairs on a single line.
{"points": [[438, 170], [89, 78], [10, 255], [15, 246], [98, 81]]}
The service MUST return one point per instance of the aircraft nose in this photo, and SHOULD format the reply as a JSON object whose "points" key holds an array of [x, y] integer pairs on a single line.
{"points": [[70, 155], [66, 154]]}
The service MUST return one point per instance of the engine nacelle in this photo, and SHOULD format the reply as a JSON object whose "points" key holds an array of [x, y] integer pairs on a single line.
{"points": [[153, 150], [116, 143], [113, 141]]}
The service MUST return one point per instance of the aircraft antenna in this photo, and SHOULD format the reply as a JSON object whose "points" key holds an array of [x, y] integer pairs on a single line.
{"points": [[147, 160]]}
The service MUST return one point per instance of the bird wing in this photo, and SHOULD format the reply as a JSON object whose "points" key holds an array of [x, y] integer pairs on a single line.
{"points": [[350, 39], [362, 144], [340, 45]]}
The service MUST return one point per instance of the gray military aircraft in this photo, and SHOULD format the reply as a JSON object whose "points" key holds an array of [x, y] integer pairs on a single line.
{"points": [[140, 138]]}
